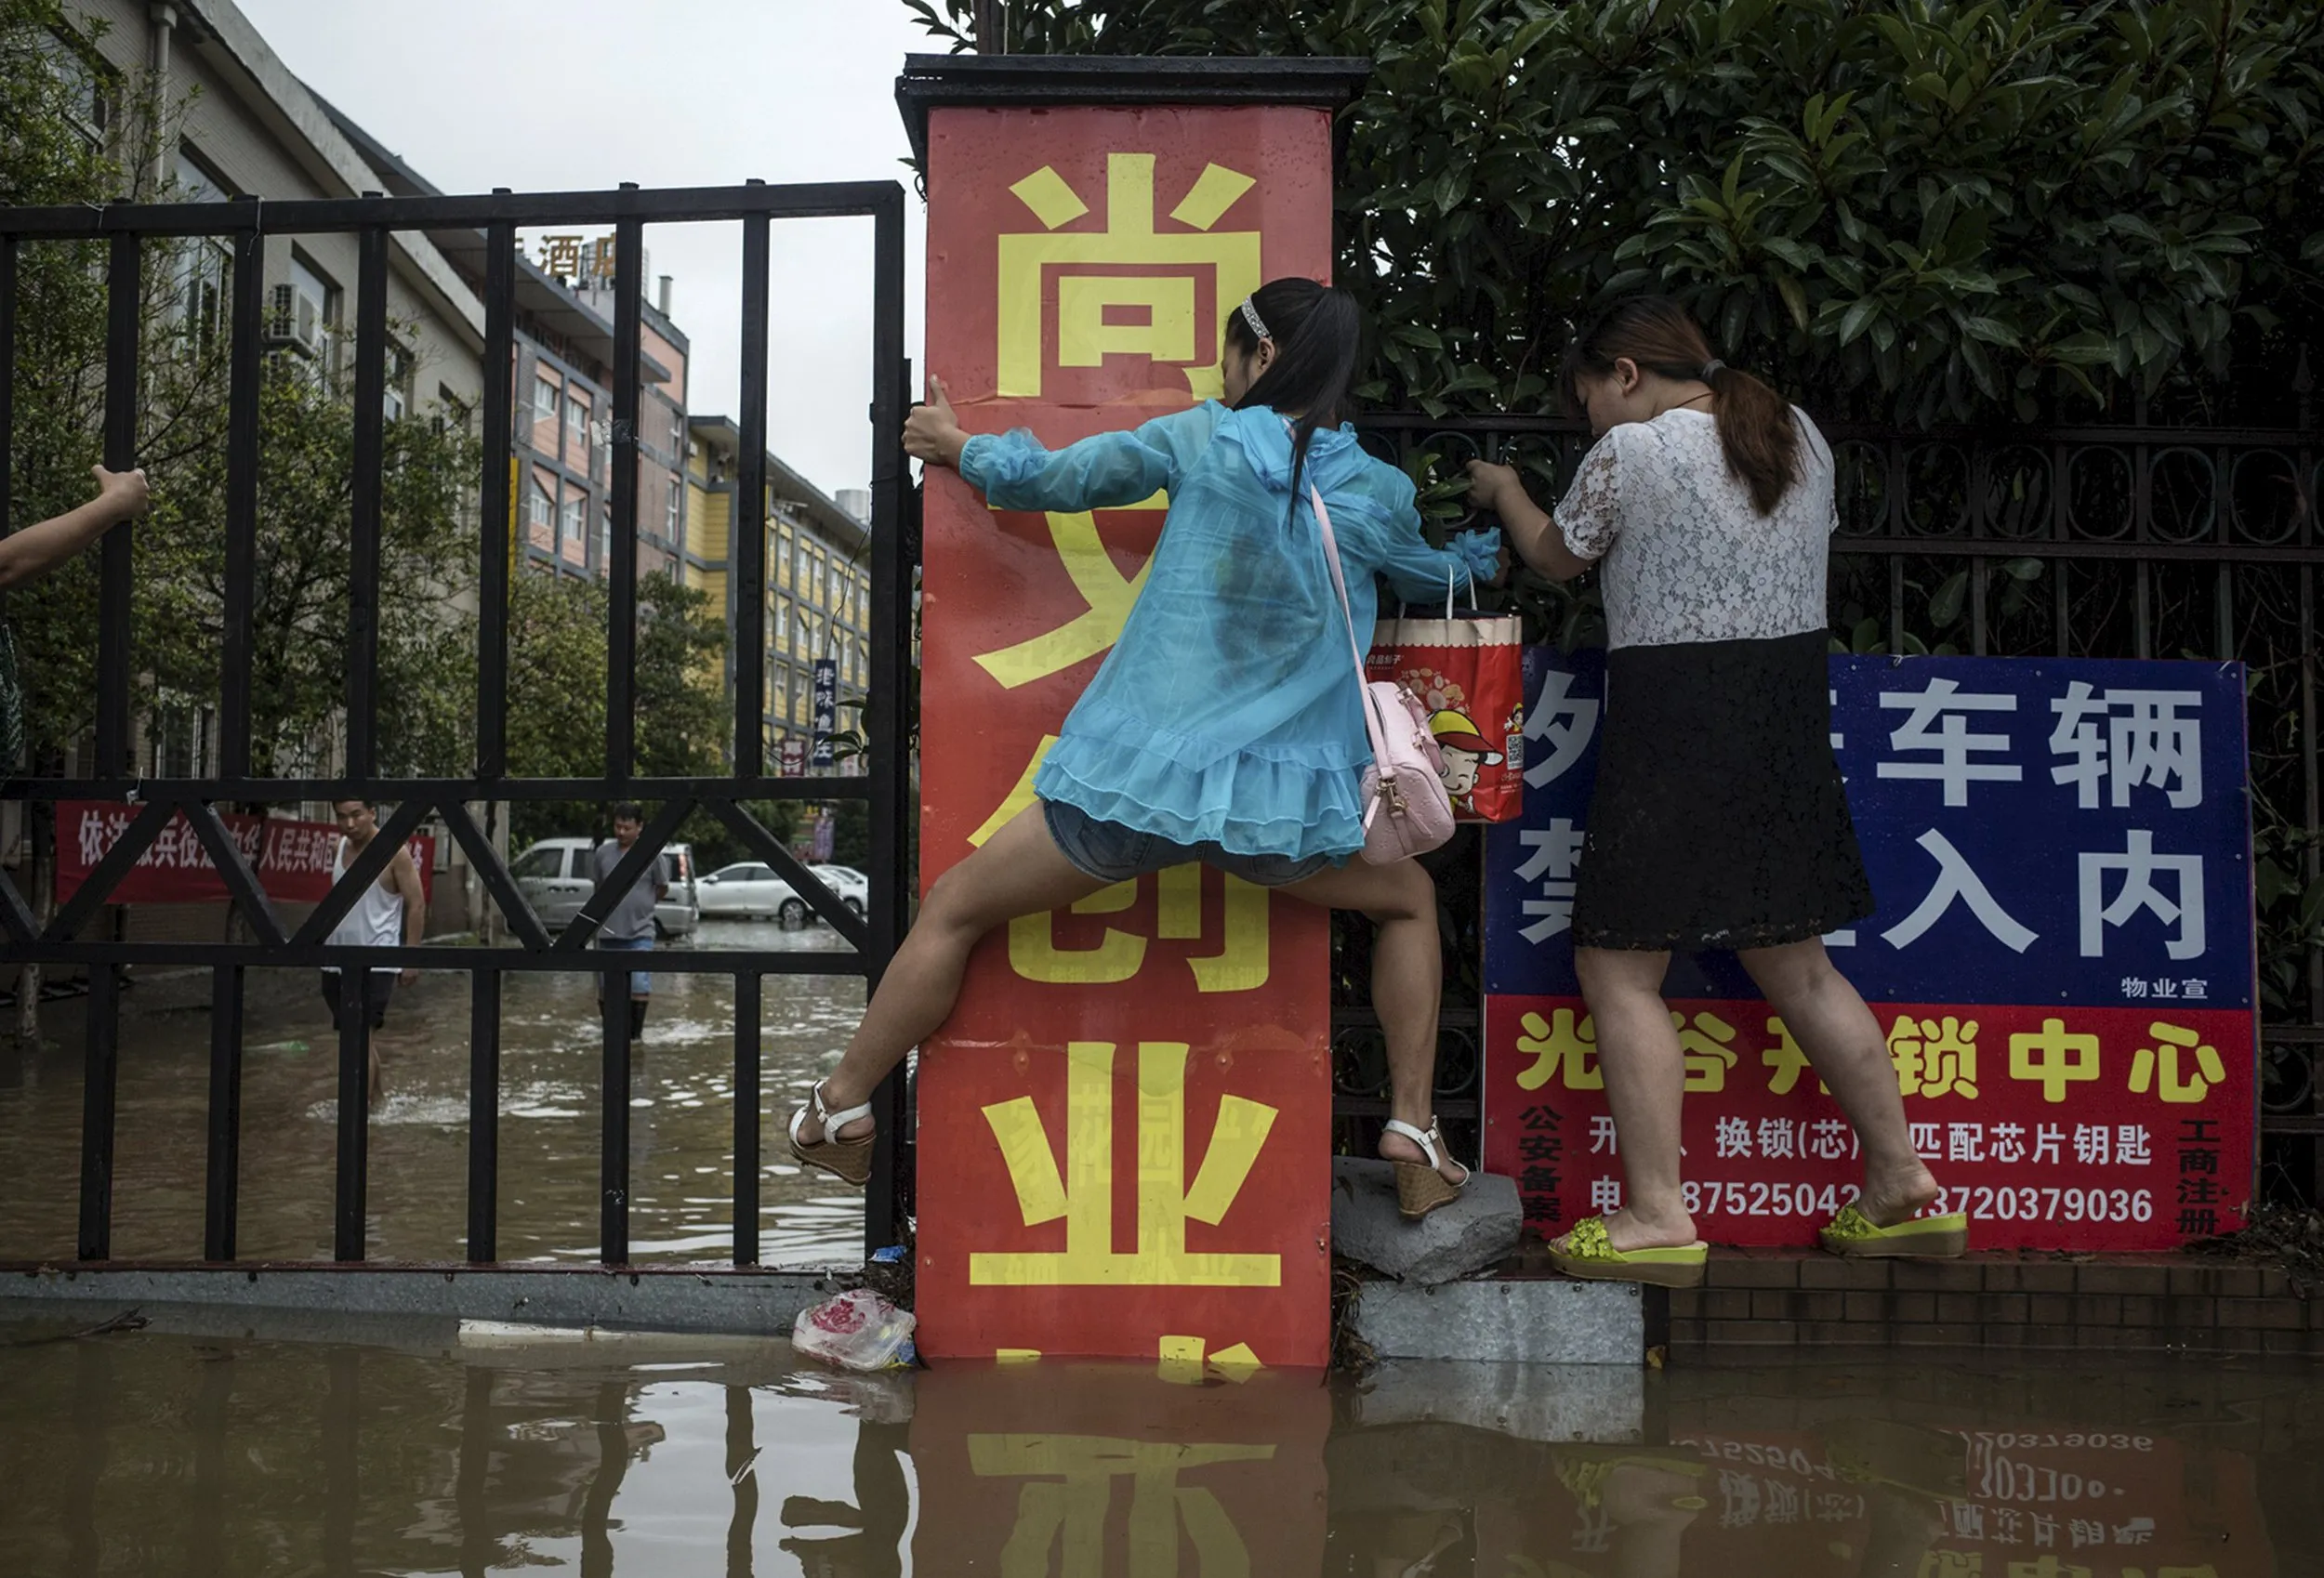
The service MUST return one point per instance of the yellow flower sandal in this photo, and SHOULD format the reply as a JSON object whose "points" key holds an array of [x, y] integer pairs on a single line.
{"points": [[850, 1161], [1587, 1252], [1856, 1235]]}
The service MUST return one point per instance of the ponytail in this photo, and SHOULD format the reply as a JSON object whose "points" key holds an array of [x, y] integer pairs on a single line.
{"points": [[1317, 331], [1757, 432]]}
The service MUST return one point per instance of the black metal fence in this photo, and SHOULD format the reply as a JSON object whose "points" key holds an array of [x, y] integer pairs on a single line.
{"points": [[2143, 540], [246, 226]]}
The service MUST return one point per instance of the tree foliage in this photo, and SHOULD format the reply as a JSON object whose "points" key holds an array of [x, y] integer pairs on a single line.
{"points": [[1919, 209], [557, 692]]}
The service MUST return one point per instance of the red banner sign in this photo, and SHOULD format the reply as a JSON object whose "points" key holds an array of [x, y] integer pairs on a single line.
{"points": [[1123, 1125], [292, 859], [2054, 1126]]}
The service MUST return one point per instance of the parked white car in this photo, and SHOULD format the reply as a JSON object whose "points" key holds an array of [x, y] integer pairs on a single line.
{"points": [[556, 879], [752, 887]]}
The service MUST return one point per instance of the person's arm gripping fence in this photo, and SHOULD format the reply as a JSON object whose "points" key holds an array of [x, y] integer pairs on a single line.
{"points": [[1103, 472], [1392, 539]]}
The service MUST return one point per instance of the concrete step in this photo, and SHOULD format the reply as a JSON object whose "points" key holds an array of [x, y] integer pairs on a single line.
{"points": [[1524, 1321]]}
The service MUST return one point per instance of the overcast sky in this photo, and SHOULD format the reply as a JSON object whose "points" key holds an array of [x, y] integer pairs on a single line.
{"points": [[588, 93]]}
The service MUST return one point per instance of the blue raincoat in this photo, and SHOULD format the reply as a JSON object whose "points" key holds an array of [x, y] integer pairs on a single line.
{"points": [[1229, 711]]}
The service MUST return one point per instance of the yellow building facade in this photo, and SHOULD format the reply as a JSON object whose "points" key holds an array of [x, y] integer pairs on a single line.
{"points": [[818, 600]]}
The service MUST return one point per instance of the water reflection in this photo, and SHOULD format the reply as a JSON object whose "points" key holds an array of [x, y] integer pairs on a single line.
{"points": [[407, 1453], [681, 1143]]}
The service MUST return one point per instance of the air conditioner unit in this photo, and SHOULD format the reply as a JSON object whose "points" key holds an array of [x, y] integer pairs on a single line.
{"points": [[295, 321]]}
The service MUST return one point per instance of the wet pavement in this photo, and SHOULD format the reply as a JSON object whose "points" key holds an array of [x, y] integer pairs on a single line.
{"points": [[201, 1451], [682, 1134]]}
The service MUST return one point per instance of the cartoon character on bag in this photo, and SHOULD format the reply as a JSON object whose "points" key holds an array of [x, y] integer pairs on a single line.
{"points": [[1466, 753]]}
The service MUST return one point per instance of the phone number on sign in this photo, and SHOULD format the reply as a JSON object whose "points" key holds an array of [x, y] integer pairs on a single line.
{"points": [[2027, 1203], [1988, 1202]]}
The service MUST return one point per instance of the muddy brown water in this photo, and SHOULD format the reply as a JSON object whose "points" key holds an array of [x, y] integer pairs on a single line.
{"points": [[681, 1122], [347, 1448], [214, 1443]]}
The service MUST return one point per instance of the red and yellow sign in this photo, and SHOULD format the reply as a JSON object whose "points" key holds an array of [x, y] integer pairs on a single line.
{"points": [[2054, 1126], [1124, 1123]]}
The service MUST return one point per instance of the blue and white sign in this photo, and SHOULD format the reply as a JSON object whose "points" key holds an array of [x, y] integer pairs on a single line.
{"points": [[2036, 831]]}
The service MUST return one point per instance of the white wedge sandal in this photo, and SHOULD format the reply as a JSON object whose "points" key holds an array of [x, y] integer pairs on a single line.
{"points": [[1421, 1188], [850, 1161]]}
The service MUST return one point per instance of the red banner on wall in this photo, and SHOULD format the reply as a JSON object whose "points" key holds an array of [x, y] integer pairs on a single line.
{"points": [[1124, 1123], [2054, 1126], [292, 859]]}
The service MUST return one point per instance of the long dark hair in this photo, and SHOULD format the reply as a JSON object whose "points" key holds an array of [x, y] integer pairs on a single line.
{"points": [[1319, 332], [1756, 429]]}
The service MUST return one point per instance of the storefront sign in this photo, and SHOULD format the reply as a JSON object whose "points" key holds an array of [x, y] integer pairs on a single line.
{"points": [[1123, 1124], [2061, 963], [292, 859]]}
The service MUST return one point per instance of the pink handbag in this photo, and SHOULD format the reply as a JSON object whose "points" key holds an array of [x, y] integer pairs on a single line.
{"points": [[1406, 809]]}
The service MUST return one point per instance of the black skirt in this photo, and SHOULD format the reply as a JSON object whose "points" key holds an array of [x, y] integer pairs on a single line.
{"points": [[1719, 820]]}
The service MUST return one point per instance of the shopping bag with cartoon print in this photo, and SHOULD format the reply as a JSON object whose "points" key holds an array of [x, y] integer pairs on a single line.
{"points": [[1468, 670]]}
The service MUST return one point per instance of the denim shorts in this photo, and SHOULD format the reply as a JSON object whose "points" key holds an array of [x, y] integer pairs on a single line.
{"points": [[640, 981], [1106, 851]]}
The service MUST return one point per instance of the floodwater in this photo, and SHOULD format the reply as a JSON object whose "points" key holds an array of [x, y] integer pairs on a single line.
{"points": [[362, 1450], [682, 1118]]}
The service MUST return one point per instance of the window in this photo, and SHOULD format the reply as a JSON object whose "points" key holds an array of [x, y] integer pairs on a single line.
{"points": [[539, 865], [576, 421], [543, 409], [670, 513], [312, 282], [178, 739], [782, 560], [783, 622], [570, 518], [540, 507], [396, 396]]}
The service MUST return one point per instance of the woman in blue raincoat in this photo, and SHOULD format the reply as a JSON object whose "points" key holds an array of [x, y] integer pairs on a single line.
{"points": [[1226, 725]]}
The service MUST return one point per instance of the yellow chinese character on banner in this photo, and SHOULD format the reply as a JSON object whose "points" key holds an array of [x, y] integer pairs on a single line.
{"points": [[1068, 1503], [1786, 1059], [2053, 1059], [1241, 964], [1116, 312], [1083, 1193], [2047, 1567], [1935, 1056], [2177, 1089], [1107, 593], [1705, 1046], [1563, 1050]]}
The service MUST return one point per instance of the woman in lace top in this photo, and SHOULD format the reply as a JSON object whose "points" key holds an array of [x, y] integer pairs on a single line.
{"points": [[1719, 820]]}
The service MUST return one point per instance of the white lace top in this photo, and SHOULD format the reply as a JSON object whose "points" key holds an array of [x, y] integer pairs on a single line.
{"points": [[1686, 555]]}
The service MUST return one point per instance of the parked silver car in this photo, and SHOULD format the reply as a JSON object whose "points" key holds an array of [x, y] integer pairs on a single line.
{"points": [[556, 879], [752, 887]]}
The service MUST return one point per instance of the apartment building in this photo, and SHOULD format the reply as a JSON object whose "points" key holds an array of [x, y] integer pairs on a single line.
{"points": [[818, 580], [562, 383]]}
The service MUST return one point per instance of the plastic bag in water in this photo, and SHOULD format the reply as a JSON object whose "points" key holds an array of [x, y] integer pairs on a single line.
{"points": [[858, 1330]]}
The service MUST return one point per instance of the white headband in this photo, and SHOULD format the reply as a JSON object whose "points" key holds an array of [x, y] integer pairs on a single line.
{"points": [[1250, 316]]}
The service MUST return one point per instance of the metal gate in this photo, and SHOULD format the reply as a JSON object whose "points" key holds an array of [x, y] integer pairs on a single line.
{"points": [[244, 226]]}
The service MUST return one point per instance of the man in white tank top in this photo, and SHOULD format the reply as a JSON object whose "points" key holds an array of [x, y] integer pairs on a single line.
{"points": [[391, 911]]}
